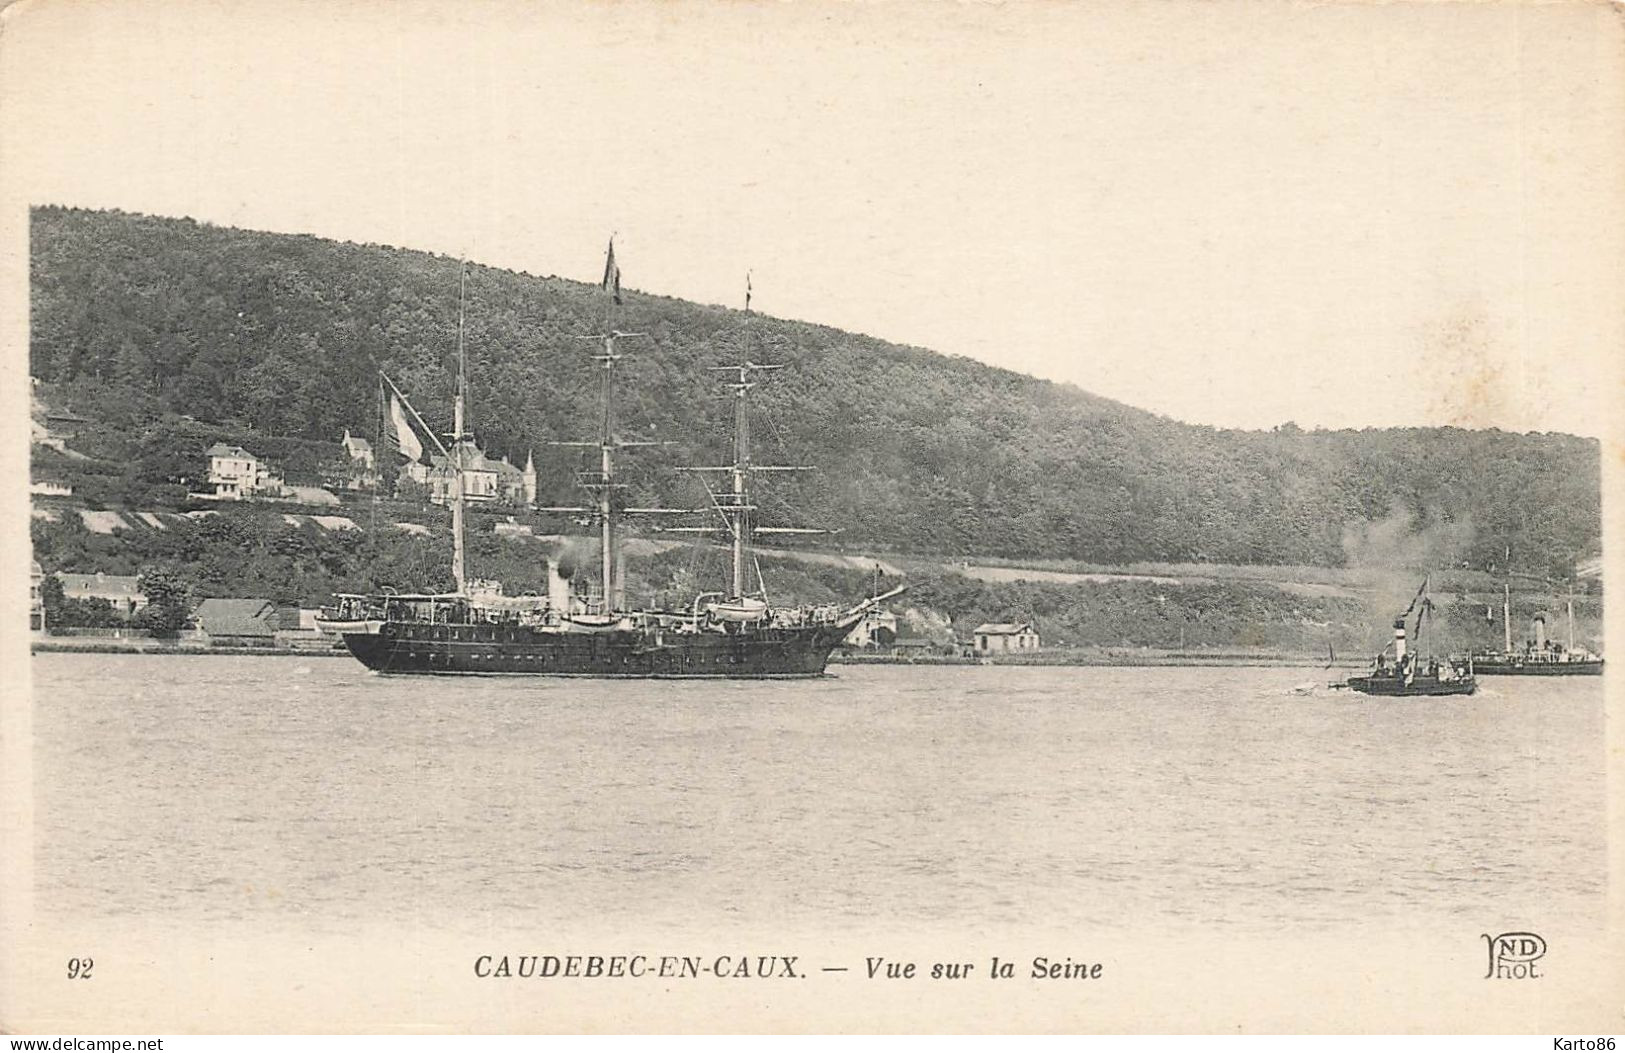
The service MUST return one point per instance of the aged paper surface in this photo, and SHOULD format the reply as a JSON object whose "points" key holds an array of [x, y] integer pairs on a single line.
{"points": [[1230, 166]]}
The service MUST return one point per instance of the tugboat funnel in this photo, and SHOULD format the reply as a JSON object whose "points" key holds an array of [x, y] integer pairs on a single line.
{"points": [[1399, 639], [558, 589]]}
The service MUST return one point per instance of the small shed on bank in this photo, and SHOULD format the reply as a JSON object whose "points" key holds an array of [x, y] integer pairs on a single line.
{"points": [[238, 622]]}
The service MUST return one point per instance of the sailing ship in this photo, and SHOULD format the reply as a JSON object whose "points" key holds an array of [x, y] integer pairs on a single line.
{"points": [[1539, 656], [1410, 674], [475, 629]]}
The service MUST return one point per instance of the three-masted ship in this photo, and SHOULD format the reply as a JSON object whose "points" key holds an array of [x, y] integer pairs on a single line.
{"points": [[475, 629]]}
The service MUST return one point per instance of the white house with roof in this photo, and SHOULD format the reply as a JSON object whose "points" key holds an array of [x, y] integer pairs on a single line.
{"points": [[235, 474], [122, 591], [1004, 637], [232, 471]]}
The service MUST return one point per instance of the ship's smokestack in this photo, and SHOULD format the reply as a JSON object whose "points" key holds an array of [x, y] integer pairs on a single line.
{"points": [[558, 589], [1540, 632], [1399, 638]]}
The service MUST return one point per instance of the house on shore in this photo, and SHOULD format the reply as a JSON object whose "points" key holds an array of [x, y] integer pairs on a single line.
{"points": [[123, 592], [1004, 638]]}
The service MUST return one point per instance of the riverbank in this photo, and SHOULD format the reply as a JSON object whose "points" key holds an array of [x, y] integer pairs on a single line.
{"points": [[1102, 657], [1129, 657], [124, 645]]}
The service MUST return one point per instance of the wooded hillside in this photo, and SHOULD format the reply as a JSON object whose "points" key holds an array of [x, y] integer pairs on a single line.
{"points": [[135, 318]]}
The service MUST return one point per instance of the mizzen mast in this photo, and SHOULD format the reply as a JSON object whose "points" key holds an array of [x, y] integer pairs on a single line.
{"points": [[735, 506]]}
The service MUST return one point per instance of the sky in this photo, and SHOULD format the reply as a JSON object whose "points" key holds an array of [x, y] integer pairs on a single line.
{"points": [[1341, 215]]}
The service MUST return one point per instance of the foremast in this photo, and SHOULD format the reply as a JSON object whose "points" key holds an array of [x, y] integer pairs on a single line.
{"points": [[461, 437], [602, 484]]}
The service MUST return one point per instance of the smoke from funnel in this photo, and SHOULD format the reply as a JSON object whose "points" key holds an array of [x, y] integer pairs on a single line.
{"points": [[1398, 551], [1398, 542], [573, 556]]}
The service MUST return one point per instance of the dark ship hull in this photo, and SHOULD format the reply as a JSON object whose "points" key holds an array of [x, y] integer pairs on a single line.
{"points": [[1416, 687], [749, 653], [1517, 665]]}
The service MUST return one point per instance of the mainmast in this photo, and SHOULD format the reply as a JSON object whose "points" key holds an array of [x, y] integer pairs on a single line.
{"points": [[605, 485], [602, 484]]}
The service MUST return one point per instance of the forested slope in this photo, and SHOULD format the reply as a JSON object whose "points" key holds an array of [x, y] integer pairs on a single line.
{"points": [[138, 319]]}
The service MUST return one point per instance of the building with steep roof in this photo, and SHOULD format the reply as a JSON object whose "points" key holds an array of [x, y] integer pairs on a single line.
{"points": [[527, 479], [361, 469], [485, 478]]}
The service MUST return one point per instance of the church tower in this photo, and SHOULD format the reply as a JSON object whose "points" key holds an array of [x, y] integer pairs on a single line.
{"points": [[530, 479]]}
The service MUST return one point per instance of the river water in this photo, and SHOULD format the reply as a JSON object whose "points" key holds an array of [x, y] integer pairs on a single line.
{"points": [[242, 789]]}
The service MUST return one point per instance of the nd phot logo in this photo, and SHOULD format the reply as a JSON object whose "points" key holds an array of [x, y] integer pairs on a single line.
{"points": [[1513, 955]]}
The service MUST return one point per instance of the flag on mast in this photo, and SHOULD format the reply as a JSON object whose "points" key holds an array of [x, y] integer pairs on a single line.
{"points": [[747, 291], [612, 274], [404, 438]]}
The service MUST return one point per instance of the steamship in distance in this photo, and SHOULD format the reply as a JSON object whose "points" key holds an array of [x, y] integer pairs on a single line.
{"points": [[475, 629], [1539, 656], [1412, 675]]}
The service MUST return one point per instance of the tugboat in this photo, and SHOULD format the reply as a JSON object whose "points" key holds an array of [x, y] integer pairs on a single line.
{"points": [[1410, 675], [1540, 656], [476, 630]]}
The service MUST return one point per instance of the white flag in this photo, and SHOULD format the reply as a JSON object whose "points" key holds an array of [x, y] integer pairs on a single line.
{"points": [[406, 439]]}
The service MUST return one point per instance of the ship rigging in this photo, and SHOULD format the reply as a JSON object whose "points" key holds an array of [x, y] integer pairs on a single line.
{"points": [[735, 633]]}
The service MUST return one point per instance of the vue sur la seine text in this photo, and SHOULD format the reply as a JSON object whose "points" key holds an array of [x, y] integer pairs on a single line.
{"points": [[764, 967]]}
